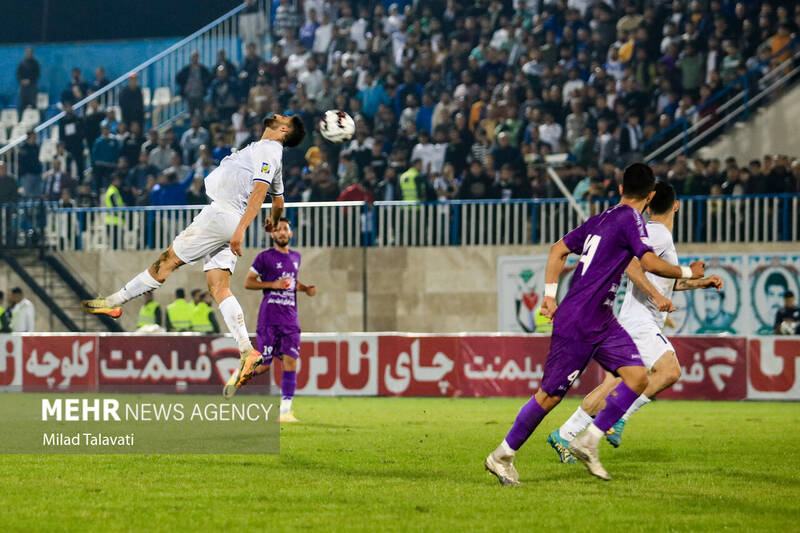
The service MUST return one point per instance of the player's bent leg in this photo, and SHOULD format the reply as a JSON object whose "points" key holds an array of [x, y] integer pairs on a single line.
{"points": [[501, 461], [584, 448], [219, 286], [595, 401], [592, 403], [145, 281], [665, 373]]}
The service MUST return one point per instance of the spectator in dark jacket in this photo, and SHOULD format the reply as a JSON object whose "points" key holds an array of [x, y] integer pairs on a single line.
{"points": [[30, 168], [71, 131], [193, 80], [28, 77], [76, 88], [131, 101]]}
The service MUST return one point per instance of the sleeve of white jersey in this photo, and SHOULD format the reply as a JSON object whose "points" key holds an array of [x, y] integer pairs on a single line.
{"points": [[659, 238], [266, 162]]}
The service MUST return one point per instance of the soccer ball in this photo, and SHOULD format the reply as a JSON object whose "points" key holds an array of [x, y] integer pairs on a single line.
{"points": [[337, 126]]}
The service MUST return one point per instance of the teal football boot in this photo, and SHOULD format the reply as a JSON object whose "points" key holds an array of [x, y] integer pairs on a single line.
{"points": [[560, 446], [614, 435]]}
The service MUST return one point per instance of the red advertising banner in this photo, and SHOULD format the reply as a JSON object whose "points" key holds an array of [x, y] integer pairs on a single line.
{"points": [[337, 364], [774, 368], [712, 368], [10, 363], [468, 366], [185, 363], [59, 363]]}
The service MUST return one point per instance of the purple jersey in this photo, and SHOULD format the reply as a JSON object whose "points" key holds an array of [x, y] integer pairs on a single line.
{"points": [[606, 242], [279, 306]]}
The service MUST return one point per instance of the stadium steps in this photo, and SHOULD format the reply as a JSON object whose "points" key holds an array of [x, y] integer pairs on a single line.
{"points": [[56, 288]]}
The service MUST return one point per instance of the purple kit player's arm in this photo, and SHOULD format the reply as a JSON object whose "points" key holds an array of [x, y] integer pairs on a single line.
{"points": [[555, 264], [638, 277], [311, 290], [253, 282]]}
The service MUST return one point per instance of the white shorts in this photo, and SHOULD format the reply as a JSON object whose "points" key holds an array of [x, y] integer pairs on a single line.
{"points": [[208, 237], [650, 342]]}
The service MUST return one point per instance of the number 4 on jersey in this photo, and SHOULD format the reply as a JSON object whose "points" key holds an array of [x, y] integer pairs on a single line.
{"points": [[589, 248]]}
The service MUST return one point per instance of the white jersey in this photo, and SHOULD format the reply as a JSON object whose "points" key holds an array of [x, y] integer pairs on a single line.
{"points": [[638, 308], [230, 184]]}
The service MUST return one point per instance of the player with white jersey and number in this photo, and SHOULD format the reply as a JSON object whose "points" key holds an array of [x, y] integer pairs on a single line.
{"points": [[643, 313], [237, 189]]}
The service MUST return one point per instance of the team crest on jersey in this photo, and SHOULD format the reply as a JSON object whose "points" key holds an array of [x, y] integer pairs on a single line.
{"points": [[265, 168], [278, 265]]}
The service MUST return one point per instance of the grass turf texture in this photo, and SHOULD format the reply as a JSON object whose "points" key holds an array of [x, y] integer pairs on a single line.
{"points": [[389, 464]]}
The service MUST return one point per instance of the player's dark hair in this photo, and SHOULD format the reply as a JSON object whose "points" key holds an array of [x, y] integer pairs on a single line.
{"points": [[195, 291], [2, 295], [637, 181], [776, 279], [664, 198], [284, 219], [296, 134], [180, 293], [16, 290]]}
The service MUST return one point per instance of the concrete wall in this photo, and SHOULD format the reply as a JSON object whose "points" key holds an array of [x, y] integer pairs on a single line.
{"points": [[772, 130], [409, 289]]}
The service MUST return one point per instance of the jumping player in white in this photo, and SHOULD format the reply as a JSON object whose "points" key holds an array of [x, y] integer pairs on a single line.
{"points": [[237, 189], [642, 315]]}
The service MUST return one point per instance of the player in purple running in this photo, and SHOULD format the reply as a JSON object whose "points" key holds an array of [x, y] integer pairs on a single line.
{"points": [[584, 326], [274, 272]]}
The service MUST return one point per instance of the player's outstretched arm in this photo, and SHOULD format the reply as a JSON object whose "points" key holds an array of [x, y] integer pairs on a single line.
{"points": [[555, 264], [704, 283], [652, 263], [275, 214], [253, 206], [638, 277], [254, 283]]}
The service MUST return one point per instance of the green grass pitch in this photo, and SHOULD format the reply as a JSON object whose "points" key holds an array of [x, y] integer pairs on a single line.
{"points": [[388, 464]]}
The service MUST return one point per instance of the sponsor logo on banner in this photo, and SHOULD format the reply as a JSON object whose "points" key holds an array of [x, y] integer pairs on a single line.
{"points": [[774, 368], [167, 363], [418, 366], [335, 365], [512, 366], [712, 368], [62, 363], [10, 362]]}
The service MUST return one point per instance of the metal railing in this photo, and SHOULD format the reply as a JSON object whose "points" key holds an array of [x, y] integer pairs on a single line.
{"points": [[755, 218], [687, 133], [156, 78]]}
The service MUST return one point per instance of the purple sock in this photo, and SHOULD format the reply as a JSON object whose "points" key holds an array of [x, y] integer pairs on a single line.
{"points": [[289, 383], [617, 403], [528, 418]]}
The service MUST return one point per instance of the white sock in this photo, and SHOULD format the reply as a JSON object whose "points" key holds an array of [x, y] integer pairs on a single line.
{"points": [[575, 424], [234, 319], [637, 404], [286, 405], [142, 283], [594, 434], [506, 448]]}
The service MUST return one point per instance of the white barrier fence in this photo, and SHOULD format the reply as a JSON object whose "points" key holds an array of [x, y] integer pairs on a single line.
{"points": [[762, 219]]}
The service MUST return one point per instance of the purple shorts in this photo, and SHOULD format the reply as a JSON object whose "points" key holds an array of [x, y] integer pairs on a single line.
{"points": [[568, 357], [277, 341]]}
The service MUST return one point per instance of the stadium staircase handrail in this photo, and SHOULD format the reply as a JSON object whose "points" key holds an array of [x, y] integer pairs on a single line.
{"points": [[690, 124]]}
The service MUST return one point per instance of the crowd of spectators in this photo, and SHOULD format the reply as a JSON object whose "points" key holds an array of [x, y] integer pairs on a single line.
{"points": [[452, 99]]}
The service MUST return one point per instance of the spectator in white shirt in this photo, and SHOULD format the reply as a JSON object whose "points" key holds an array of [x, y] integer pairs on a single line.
{"points": [[311, 79], [323, 35], [192, 139], [23, 315], [550, 132]]}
